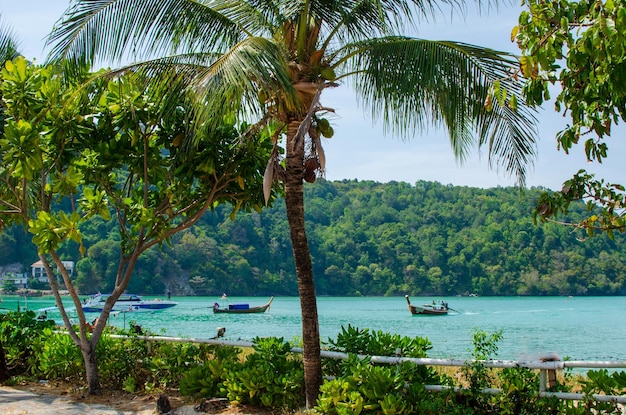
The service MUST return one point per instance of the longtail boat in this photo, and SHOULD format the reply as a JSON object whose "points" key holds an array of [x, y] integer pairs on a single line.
{"points": [[435, 309], [242, 308]]}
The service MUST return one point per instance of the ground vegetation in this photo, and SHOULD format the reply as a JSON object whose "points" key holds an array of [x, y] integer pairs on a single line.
{"points": [[268, 378]]}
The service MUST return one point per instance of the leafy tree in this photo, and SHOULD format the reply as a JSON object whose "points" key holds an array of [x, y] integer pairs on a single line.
{"points": [[111, 149], [580, 46], [273, 60], [8, 50]]}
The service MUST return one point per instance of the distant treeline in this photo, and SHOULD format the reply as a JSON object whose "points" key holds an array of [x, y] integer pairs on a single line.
{"points": [[366, 238]]}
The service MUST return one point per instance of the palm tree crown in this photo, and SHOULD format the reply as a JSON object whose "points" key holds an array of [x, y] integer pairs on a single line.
{"points": [[283, 51]]}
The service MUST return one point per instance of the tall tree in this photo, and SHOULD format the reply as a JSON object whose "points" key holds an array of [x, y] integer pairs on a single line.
{"points": [[579, 47], [113, 150], [271, 60]]}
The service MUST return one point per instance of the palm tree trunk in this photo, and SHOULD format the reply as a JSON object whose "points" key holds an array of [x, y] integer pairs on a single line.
{"points": [[294, 200]]}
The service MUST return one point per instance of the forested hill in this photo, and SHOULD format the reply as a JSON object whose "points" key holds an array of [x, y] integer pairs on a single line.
{"points": [[369, 238]]}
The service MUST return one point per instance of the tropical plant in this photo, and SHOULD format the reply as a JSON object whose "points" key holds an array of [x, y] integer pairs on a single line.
{"points": [[366, 389], [355, 341], [485, 349], [363, 386], [206, 380], [57, 357], [111, 147], [272, 376], [580, 47], [19, 333], [271, 60]]}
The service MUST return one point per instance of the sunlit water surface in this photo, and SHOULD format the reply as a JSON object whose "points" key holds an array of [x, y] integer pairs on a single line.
{"points": [[581, 328]]}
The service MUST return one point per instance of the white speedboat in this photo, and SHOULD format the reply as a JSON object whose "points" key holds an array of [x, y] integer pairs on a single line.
{"points": [[126, 302]]}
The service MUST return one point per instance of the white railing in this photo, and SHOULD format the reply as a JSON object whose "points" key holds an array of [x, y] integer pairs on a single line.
{"points": [[547, 365]]}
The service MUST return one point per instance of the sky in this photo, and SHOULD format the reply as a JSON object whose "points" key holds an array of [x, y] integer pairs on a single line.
{"points": [[360, 149]]}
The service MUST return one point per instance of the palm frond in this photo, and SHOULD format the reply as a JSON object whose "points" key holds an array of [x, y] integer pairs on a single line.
{"points": [[366, 19], [131, 30], [226, 83], [258, 17], [8, 43], [413, 84], [254, 64]]}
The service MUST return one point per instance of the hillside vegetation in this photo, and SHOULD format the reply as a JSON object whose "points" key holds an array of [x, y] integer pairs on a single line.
{"points": [[366, 238]]}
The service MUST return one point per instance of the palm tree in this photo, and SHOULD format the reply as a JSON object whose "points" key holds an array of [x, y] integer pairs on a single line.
{"points": [[270, 61]]}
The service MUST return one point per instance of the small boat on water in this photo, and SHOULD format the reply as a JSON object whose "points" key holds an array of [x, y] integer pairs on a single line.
{"points": [[438, 308], [242, 308], [126, 302]]}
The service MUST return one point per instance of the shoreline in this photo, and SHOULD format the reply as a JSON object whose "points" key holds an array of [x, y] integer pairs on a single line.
{"points": [[30, 292]]}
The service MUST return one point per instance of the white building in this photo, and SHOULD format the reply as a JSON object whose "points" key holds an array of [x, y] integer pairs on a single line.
{"points": [[38, 271]]}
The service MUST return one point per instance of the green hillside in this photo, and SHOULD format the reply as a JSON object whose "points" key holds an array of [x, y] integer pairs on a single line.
{"points": [[366, 238]]}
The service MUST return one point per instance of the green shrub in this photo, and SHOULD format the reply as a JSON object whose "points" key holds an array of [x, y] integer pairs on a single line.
{"points": [[207, 380], [365, 390], [520, 386], [352, 340], [270, 377], [119, 360], [133, 364], [18, 333], [363, 387], [57, 357], [378, 343], [168, 361], [601, 382]]}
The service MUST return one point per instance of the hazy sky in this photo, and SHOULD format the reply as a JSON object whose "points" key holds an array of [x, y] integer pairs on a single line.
{"points": [[359, 149]]}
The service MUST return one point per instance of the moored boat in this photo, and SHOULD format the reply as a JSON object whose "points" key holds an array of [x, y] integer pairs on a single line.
{"points": [[242, 308], [126, 302], [435, 309]]}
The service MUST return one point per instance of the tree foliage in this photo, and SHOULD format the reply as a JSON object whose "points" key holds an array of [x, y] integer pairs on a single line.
{"points": [[580, 47], [371, 238], [96, 148]]}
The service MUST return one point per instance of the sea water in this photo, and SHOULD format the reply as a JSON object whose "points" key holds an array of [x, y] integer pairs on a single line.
{"points": [[579, 328]]}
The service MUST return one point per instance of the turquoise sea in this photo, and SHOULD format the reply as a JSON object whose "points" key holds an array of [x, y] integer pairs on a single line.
{"points": [[581, 328]]}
